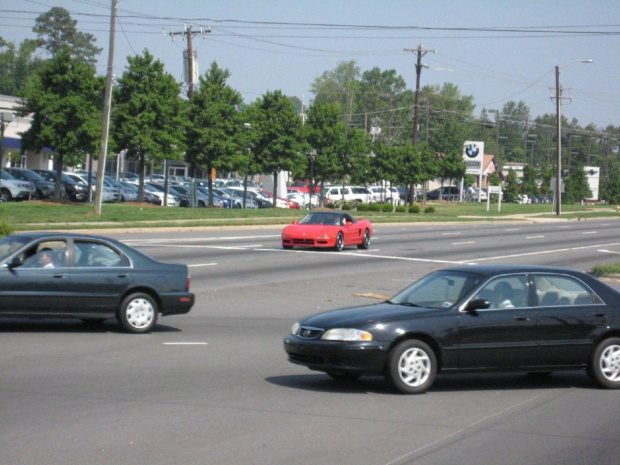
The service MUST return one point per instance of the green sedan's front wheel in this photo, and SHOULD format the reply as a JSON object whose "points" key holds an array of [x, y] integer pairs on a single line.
{"points": [[138, 313]]}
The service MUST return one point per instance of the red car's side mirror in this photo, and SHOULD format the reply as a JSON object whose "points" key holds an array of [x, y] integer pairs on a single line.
{"points": [[295, 222]]}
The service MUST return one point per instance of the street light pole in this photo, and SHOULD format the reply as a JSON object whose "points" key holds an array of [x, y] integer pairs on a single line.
{"points": [[558, 155]]}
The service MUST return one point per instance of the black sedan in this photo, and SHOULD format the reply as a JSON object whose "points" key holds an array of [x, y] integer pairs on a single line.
{"points": [[45, 275], [470, 318]]}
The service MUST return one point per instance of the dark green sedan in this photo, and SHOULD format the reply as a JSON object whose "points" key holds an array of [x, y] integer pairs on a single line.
{"points": [[93, 278]]}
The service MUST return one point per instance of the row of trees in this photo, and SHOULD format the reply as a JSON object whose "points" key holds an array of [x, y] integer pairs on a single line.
{"points": [[359, 125]]}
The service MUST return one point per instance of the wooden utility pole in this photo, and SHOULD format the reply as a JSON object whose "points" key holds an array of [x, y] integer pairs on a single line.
{"points": [[421, 51], [189, 34], [107, 104]]}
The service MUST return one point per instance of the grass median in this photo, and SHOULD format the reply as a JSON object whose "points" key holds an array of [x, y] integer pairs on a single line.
{"points": [[42, 215]]}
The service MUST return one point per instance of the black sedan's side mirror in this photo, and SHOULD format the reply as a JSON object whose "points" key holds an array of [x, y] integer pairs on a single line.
{"points": [[478, 304], [16, 262]]}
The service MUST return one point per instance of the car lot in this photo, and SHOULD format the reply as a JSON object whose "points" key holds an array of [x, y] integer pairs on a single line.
{"points": [[214, 386]]}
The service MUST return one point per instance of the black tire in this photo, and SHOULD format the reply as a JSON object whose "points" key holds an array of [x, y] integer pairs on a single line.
{"points": [[365, 241], [339, 242], [5, 195], [605, 366], [138, 313], [412, 367], [201, 204]]}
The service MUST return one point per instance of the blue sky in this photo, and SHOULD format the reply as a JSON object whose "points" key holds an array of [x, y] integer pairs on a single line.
{"points": [[496, 51]]}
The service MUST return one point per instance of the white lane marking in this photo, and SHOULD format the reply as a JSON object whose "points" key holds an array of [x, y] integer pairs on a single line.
{"points": [[589, 232], [185, 343], [357, 254], [451, 234], [512, 229], [218, 247], [534, 237], [608, 251], [501, 257], [461, 243], [202, 264], [564, 227]]}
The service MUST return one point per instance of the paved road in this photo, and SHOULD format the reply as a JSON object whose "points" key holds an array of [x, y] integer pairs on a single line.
{"points": [[214, 386]]}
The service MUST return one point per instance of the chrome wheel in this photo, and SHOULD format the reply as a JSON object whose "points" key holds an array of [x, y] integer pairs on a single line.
{"points": [[339, 242], [365, 241], [605, 367], [412, 367]]}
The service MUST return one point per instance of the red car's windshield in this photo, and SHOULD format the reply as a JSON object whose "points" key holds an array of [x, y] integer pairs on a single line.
{"points": [[326, 218]]}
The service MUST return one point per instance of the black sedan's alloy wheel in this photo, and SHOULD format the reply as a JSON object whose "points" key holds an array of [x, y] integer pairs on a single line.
{"points": [[138, 313], [412, 367], [605, 367]]}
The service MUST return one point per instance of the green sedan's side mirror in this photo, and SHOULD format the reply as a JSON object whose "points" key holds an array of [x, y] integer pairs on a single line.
{"points": [[477, 304]]}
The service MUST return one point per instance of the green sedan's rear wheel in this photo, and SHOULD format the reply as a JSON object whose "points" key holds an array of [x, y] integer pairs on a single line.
{"points": [[339, 242], [365, 241], [412, 367], [138, 313]]}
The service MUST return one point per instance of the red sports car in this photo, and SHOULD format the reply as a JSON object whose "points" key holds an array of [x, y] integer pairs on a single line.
{"points": [[327, 229]]}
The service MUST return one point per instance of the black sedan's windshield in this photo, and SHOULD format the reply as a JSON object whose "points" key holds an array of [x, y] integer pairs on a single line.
{"points": [[442, 289], [10, 244]]}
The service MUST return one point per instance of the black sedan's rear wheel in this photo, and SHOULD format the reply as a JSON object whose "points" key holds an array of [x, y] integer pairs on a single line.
{"points": [[412, 367], [605, 365], [138, 313], [339, 242], [365, 241]]}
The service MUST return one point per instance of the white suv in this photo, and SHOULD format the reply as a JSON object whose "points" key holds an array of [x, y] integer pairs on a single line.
{"points": [[15, 189], [354, 194]]}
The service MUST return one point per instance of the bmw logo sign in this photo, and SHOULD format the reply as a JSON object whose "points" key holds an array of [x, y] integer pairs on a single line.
{"points": [[472, 150]]}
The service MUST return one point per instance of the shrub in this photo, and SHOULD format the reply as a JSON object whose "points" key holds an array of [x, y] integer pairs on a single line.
{"points": [[330, 205], [347, 206], [429, 210], [401, 209], [5, 229], [414, 209], [374, 207], [363, 207], [387, 208]]}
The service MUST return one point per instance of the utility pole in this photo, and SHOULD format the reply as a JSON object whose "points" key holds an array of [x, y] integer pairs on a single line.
{"points": [[107, 103], [189, 34], [421, 51]]}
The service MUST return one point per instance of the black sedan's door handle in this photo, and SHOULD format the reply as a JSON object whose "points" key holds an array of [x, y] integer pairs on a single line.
{"points": [[59, 276], [522, 318], [599, 314], [123, 275]]}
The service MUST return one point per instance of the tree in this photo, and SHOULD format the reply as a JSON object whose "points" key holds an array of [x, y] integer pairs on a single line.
{"points": [[148, 114], [66, 99], [576, 186], [511, 189], [17, 65], [278, 146], [56, 30], [215, 125], [529, 186]]}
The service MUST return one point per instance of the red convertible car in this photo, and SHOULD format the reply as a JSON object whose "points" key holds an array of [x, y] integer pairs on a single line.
{"points": [[329, 230]]}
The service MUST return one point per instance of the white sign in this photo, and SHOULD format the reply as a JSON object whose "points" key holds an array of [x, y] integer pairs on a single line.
{"points": [[473, 156]]}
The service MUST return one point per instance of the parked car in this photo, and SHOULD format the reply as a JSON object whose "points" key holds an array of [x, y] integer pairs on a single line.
{"points": [[109, 194], [127, 194], [327, 230], [44, 189], [353, 194], [15, 189], [158, 190], [88, 277], [75, 191], [386, 194], [449, 193], [470, 318], [302, 198]]}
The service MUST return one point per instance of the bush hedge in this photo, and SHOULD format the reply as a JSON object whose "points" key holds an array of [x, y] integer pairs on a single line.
{"points": [[429, 210], [363, 207], [414, 209], [374, 207], [387, 208], [5, 229], [347, 206], [401, 209]]}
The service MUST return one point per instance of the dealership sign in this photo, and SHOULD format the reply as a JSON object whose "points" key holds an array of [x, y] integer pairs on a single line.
{"points": [[473, 155]]}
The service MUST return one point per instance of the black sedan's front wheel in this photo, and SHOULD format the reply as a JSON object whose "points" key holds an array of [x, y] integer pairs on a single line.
{"points": [[138, 313], [605, 365], [412, 367]]}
